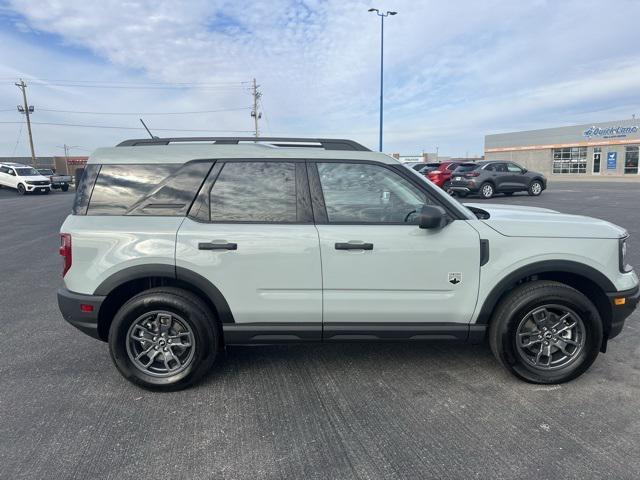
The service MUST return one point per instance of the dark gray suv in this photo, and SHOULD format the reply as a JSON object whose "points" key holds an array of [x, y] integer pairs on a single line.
{"points": [[489, 177]]}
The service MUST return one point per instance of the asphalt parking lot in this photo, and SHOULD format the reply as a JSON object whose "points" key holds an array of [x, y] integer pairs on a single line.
{"points": [[364, 411]]}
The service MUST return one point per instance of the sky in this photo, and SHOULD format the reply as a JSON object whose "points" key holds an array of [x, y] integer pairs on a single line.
{"points": [[454, 71]]}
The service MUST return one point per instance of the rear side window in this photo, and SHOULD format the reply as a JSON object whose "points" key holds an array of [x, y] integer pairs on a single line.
{"points": [[154, 189], [84, 188], [255, 192], [466, 167]]}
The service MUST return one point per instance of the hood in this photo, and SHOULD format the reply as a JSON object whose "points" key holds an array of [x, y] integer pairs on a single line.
{"points": [[519, 221], [36, 178]]}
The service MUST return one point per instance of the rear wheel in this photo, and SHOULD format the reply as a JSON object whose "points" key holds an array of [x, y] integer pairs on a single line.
{"points": [[487, 190], [164, 339], [546, 332], [21, 189], [535, 188]]}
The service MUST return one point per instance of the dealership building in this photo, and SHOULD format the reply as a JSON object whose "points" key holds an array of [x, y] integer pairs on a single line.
{"points": [[609, 148]]}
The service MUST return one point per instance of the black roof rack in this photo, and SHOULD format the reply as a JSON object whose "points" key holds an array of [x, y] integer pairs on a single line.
{"points": [[326, 143]]}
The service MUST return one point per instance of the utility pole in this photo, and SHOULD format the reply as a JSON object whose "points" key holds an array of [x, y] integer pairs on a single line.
{"points": [[66, 156], [27, 110], [254, 113]]}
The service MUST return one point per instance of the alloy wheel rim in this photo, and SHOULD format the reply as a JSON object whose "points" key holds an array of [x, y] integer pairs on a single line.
{"points": [[550, 337], [536, 188], [487, 190], [160, 344]]}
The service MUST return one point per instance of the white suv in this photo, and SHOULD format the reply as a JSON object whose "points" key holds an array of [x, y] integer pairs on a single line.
{"points": [[178, 247], [23, 178]]}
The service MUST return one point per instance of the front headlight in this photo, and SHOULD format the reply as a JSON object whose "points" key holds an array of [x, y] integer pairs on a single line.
{"points": [[30, 182], [622, 255]]}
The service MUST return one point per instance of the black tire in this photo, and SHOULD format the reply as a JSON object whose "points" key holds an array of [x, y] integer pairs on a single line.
{"points": [[535, 188], [508, 194], [182, 305], [513, 311], [21, 189], [64, 188], [47, 191], [446, 186], [487, 190], [461, 194]]}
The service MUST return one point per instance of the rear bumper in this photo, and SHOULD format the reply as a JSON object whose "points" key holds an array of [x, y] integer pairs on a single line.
{"points": [[467, 189], [87, 322], [621, 312]]}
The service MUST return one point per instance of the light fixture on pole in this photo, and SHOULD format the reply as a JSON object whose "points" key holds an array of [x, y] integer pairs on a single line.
{"points": [[382, 17]]}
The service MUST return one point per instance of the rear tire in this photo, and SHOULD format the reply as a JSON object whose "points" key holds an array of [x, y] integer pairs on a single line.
{"points": [[535, 188], [532, 336], [487, 190], [171, 330], [21, 189]]}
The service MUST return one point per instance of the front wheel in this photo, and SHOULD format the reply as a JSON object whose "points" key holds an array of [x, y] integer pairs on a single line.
{"points": [[546, 332], [65, 188], [535, 188], [164, 339], [487, 190], [21, 189]]}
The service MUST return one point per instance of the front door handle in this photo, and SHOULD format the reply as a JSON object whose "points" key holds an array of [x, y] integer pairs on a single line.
{"points": [[217, 246], [354, 246]]}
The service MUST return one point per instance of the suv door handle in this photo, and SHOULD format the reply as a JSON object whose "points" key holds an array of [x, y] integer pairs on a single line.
{"points": [[217, 246], [354, 246]]}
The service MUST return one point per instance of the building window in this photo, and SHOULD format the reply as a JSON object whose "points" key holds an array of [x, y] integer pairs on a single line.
{"points": [[631, 160], [597, 156], [570, 160]]}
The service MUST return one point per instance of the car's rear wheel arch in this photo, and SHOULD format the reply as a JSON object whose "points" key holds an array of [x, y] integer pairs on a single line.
{"points": [[118, 291], [587, 280]]}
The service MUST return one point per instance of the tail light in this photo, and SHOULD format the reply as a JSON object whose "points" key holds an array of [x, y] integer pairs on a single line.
{"points": [[65, 252], [472, 174]]}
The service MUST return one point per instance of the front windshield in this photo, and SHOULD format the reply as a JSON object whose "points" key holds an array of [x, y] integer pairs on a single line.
{"points": [[45, 171], [27, 172]]}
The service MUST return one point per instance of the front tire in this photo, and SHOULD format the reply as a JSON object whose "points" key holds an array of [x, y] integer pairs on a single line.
{"points": [[535, 188], [21, 189], [65, 188], [486, 190], [164, 339], [546, 332]]}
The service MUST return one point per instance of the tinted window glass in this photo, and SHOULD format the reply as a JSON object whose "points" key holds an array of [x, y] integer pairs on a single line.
{"points": [[255, 192], [467, 167], [364, 193], [499, 167], [84, 188], [119, 187], [174, 195], [512, 167]]}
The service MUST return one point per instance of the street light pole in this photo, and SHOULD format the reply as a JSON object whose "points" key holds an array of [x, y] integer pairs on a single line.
{"points": [[382, 17]]}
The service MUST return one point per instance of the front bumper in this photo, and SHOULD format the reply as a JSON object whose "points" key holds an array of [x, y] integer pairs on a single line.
{"points": [[87, 322], [37, 188], [622, 305]]}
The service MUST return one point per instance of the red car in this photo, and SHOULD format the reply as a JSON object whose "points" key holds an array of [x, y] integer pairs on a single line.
{"points": [[441, 175]]}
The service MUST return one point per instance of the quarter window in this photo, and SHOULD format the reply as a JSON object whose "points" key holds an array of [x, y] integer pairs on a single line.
{"points": [[255, 192], [364, 193]]}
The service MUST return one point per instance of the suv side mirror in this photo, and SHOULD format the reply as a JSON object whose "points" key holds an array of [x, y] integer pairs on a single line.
{"points": [[432, 216], [524, 170]]}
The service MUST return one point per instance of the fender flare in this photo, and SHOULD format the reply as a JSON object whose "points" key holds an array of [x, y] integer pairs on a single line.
{"points": [[178, 274], [537, 268]]}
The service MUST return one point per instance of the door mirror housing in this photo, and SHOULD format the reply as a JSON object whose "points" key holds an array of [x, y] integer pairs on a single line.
{"points": [[524, 170], [432, 216]]}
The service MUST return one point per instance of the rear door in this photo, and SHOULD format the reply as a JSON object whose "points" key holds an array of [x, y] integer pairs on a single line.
{"points": [[383, 276], [250, 233]]}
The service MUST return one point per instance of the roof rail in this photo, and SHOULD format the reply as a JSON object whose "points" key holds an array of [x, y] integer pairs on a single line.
{"points": [[326, 143]]}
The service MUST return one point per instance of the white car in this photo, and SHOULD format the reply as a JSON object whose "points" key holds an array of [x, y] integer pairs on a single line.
{"points": [[177, 248], [23, 178]]}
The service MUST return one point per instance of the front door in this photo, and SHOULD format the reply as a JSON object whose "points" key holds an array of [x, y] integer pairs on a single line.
{"points": [[251, 235], [382, 275]]}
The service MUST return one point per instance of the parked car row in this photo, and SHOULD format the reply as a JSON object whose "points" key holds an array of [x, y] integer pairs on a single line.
{"points": [[25, 179], [485, 178]]}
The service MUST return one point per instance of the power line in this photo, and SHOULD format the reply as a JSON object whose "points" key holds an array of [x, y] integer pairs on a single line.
{"points": [[15, 147], [138, 87], [143, 113], [107, 82], [129, 128]]}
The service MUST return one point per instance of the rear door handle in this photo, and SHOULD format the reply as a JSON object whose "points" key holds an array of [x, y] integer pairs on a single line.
{"points": [[217, 246], [354, 246]]}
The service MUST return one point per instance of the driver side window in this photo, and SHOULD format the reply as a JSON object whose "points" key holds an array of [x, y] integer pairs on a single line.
{"points": [[366, 193]]}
